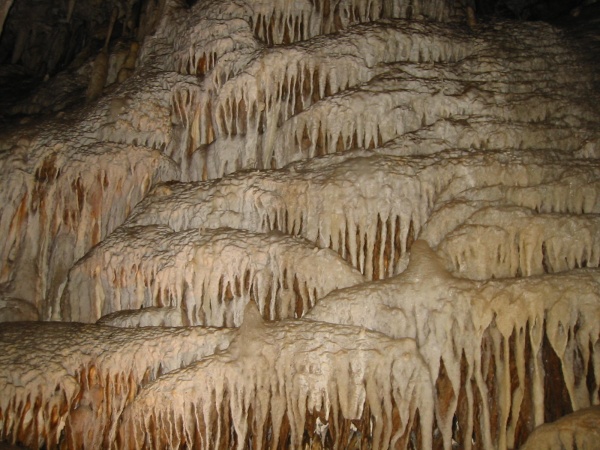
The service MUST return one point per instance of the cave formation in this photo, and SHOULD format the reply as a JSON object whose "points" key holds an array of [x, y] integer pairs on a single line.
{"points": [[307, 224]]}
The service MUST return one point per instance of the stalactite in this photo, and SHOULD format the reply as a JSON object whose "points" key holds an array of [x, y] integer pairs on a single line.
{"points": [[250, 404], [197, 281], [129, 64], [256, 204], [86, 372], [68, 206], [302, 84], [20, 43], [323, 219], [494, 325], [4, 9], [394, 128], [98, 77], [521, 242]]}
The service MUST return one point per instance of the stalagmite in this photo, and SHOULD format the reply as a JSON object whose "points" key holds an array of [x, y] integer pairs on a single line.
{"points": [[471, 17]]}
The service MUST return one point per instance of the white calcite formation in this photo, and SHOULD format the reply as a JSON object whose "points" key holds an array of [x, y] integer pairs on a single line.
{"points": [[306, 224], [70, 382], [17, 310], [61, 205], [412, 193], [507, 327], [207, 274], [301, 372], [505, 242], [580, 429], [152, 316]]}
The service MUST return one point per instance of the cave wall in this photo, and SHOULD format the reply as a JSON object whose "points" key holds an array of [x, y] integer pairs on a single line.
{"points": [[310, 224]]}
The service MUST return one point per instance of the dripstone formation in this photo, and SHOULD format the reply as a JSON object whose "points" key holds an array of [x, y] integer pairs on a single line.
{"points": [[351, 224]]}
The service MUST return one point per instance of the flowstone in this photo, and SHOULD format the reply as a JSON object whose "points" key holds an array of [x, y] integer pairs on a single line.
{"points": [[353, 224]]}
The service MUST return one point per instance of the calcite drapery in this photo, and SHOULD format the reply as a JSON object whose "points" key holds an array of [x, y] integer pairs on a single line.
{"points": [[296, 155]]}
